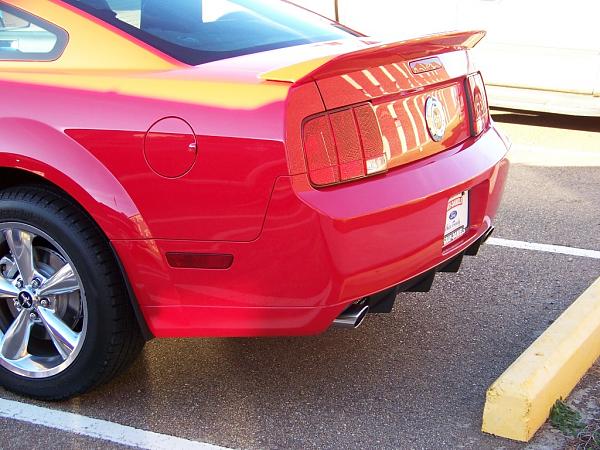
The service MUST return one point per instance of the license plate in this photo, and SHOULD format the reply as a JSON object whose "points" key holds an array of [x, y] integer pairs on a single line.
{"points": [[457, 217]]}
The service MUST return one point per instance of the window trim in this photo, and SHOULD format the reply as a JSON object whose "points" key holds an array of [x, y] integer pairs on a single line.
{"points": [[62, 38]]}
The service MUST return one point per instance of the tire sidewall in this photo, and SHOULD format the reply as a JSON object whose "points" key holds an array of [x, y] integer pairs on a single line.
{"points": [[66, 230]]}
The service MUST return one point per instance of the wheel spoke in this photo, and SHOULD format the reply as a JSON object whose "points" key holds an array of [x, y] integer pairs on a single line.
{"points": [[7, 290], [63, 281], [9, 266], [16, 338], [20, 243], [64, 339]]}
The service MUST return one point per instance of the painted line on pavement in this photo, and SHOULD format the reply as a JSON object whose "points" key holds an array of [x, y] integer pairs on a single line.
{"points": [[572, 251], [96, 428]]}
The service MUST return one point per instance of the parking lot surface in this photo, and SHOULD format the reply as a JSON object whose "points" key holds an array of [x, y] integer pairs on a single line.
{"points": [[415, 378]]}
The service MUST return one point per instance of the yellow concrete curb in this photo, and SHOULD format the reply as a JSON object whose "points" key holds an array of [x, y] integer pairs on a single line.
{"points": [[519, 402]]}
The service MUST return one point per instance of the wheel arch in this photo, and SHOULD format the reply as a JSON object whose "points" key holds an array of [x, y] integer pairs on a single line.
{"points": [[32, 148], [33, 153], [11, 178]]}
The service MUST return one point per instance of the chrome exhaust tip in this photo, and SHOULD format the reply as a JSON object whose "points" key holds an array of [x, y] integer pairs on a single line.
{"points": [[352, 316]]}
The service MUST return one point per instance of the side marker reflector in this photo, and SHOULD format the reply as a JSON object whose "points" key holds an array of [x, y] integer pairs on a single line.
{"points": [[211, 261]]}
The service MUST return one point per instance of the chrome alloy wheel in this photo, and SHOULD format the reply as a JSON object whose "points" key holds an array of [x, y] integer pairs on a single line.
{"points": [[43, 310]]}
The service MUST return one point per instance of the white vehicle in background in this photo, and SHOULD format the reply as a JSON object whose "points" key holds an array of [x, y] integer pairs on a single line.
{"points": [[539, 55]]}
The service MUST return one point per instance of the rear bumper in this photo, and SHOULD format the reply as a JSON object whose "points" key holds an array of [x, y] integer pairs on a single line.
{"points": [[320, 250]]}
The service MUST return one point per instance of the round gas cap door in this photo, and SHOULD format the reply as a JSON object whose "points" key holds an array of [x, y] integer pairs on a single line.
{"points": [[170, 147]]}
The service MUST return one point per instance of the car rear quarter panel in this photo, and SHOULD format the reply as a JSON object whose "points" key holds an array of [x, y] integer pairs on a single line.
{"points": [[223, 197], [35, 147]]}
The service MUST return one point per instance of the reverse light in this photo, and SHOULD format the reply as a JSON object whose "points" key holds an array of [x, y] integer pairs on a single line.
{"points": [[344, 145], [478, 104], [376, 165]]}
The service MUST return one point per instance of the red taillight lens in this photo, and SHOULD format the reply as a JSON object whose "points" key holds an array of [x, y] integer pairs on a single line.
{"points": [[478, 104], [321, 154], [343, 146], [372, 143], [347, 143]]}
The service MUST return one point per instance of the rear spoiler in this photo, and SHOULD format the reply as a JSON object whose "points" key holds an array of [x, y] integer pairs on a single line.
{"points": [[375, 55]]}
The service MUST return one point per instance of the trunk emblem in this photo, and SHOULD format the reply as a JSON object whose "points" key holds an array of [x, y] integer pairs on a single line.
{"points": [[435, 116], [426, 65]]}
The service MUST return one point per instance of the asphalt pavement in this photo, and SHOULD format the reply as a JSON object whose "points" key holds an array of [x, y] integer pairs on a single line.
{"points": [[415, 378]]}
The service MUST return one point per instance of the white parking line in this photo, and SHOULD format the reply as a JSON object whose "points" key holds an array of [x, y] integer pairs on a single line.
{"points": [[95, 428], [572, 251]]}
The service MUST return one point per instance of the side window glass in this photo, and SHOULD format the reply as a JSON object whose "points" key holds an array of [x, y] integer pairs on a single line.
{"points": [[24, 37]]}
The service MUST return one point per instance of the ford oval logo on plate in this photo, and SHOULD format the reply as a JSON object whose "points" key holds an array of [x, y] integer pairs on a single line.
{"points": [[436, 118], [453, 215]]}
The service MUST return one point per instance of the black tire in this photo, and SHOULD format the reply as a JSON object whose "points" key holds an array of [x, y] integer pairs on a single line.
{"points": [[112, 339]]}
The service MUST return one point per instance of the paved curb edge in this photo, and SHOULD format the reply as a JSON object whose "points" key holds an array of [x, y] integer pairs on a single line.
{"points": [[519, 402]]}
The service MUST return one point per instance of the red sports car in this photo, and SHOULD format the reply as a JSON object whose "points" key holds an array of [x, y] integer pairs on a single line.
{"points": [[222, 168]]}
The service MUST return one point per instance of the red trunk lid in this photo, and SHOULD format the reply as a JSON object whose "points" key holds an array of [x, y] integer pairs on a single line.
{"points": [[398, 80]]}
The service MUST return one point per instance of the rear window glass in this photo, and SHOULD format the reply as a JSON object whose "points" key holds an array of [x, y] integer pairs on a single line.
{"points": [[200, 31]]}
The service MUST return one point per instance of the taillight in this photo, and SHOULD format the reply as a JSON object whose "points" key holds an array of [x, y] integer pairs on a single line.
{"points": [[321, 154], [478, 104], [344, 145]]}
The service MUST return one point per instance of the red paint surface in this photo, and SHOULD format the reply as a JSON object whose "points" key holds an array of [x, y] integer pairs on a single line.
{"points": [[320, 250], [170, 147], [300, 254]]}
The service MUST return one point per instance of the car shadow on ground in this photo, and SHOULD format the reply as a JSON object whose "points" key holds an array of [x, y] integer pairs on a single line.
{"points": [[412, 378]]}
